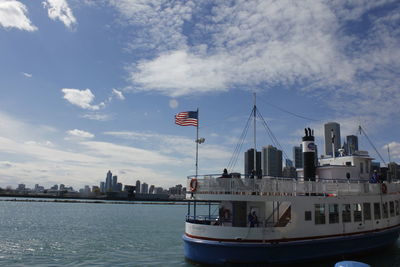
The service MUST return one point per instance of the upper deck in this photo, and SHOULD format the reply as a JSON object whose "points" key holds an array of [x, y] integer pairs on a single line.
{"points": [[213, 187]]}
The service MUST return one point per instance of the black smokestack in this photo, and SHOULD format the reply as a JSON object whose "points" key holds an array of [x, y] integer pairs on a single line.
{"points": [[308, 155]]}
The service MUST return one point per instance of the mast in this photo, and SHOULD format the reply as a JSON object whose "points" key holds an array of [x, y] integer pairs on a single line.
{"points": [[254, 133], [197, 143]]}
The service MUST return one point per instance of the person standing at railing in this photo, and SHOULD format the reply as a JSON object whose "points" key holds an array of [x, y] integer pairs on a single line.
{"points": [[253, 219], [374, 178], [225, 174]]}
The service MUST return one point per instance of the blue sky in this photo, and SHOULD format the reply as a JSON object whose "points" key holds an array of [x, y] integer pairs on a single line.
{"points": [[91, 86]]}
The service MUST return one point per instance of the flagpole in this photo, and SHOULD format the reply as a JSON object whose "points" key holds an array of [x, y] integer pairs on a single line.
{"points": [[197, 143]]}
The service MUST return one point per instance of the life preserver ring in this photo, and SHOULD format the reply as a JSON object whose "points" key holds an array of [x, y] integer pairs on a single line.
{"points": [[384, 188], [193, 185]]}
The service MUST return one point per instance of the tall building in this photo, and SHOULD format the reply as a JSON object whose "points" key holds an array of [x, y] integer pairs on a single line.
{"points": [[249, 163], [114, 183], [144, 189], [137, 186], [151, 190], [102, 187], [298, 157], [352, 144], [332, 127], [108, 182], [271, 161]]}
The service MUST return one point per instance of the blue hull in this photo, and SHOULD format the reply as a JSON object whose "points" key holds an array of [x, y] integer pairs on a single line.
{"points": [[216, 252]]}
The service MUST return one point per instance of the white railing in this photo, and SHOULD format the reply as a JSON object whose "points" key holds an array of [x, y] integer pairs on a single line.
{"points": [[212, 184]]}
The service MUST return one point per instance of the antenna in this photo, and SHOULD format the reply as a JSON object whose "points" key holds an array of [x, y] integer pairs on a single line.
{"points": [[388, 152]]}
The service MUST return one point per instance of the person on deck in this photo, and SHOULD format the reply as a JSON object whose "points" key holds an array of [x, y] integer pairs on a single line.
{"points": [[225, 174], [374, 178]]}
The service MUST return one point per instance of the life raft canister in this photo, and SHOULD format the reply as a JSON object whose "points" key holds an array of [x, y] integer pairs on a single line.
{"points": [[193, 185], [384, 188]]}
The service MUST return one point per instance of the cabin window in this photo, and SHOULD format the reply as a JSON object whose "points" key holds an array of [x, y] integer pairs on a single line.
{"points": [[319, 213], [346, 213], [333, 213], [307, 216], [366, 166], [361, 167], [397, 207], [377, 211], [357, 212], [391, 208], [385, 210], [367, 211], [348, 163]]}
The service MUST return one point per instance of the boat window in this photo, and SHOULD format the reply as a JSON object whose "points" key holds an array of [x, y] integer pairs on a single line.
{"points": [[333, 213], [391, 208], [348, 163], [385, 210], [346, 213], [366, 166], [319, 213], [377, 211], [367, 211], [397, 207], [361, 167], [357, 212], [307, 216]]}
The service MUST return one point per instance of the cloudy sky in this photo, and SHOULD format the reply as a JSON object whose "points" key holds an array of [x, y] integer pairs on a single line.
{"points": [[90, 86]]}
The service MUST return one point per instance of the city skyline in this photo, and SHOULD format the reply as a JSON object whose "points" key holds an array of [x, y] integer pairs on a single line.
{"points": [[86, 85]]}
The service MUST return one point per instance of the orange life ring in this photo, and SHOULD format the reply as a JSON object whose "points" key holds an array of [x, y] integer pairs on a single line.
{"points": [[193, 185], [384, 188]]}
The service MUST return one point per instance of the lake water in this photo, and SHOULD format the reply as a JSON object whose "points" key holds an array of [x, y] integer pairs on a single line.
{"points": [[87, 234]]}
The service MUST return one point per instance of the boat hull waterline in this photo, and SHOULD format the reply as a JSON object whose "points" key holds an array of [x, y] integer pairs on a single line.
{"points": [[221, 252]]}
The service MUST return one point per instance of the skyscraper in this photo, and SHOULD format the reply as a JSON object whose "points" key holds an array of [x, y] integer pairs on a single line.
{"points": [[102, 187], [332, 127], [352, 144], [298, 157], [114, 183], [108, 182], [144, 189], [249, 163], [271, 161], [137, 186]]}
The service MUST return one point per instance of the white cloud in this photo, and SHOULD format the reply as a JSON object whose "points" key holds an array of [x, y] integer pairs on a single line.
{"points": [[79, 134], [174, 145], [28, 75], [314, 47], [32, 158], [118, 94], [394, 149], [81, 98], [13, 14], [59, 9], [180, 73], [97, 116]]}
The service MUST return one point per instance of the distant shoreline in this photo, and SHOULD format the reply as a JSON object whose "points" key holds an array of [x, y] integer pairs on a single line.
{"points": [[23, 199]]}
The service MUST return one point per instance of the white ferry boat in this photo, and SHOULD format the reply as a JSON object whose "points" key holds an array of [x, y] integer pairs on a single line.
{"points": [[331, 209]]}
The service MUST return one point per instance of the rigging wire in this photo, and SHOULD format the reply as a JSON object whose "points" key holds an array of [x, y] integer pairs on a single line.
{"points": [[238, 148], [271, 135], [370, 142], [289, 112]]}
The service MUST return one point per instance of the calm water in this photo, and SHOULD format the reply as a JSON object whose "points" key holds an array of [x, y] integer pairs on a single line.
{"points": [[83, 234]]}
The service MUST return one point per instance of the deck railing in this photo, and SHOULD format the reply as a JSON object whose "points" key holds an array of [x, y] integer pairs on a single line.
{"points": [[213, 184]]}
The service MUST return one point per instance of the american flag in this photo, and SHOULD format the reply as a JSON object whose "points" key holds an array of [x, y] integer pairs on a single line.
{"points": [[187, 118]]}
